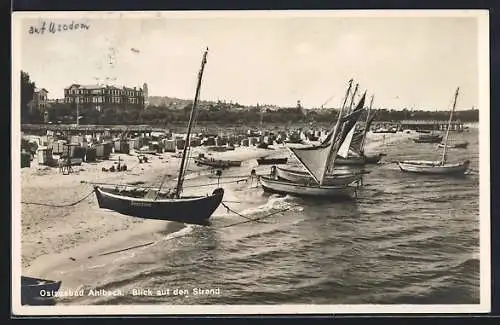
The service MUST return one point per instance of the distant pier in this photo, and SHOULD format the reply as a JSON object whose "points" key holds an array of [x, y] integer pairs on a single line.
{"points": [[428, 125]]}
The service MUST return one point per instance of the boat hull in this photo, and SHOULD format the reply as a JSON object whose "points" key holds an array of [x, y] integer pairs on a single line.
{"points": [[433, 167], [384, 131], [218, 163], [428, 139], [272, 161], [461, 145], [303, 177], [350, 161], [373, 159], [193, 210], [31, 291], [341, 192]]}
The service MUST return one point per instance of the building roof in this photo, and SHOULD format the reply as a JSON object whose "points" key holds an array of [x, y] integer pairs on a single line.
{"points": [[41, 89], [96, 86], [90, 86]]}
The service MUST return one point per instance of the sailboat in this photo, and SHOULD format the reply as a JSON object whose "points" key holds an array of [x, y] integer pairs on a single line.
{"points": [[457, 145], [428, 137], [357, 156], [441, 166], [346, 156], [359, 141], [319, 162], [335, 176], [155, 204]]}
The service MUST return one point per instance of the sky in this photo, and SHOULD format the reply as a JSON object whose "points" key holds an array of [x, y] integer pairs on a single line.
{"points": [[413, 62]]}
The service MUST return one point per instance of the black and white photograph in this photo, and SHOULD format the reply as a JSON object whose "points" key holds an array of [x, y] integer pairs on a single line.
{"points": [[250, 162]]}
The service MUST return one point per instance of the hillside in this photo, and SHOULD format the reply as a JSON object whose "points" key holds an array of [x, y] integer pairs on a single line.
{"points": [[178, 103], [170, 102]]}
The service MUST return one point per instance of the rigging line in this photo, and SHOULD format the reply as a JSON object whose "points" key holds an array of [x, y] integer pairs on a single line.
{"points": [[195, 123], [237, 176], [59, 205], [209, 184], [239, 214]]}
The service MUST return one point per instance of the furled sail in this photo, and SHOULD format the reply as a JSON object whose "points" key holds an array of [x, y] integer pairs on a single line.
{"points": [[357, 142], [355, 112], [351, 120], [347, 127]]}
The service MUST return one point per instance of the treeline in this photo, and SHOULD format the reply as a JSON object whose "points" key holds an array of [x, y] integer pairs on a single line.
{"points": [[28, 114], [114, 115], [219, 112]]}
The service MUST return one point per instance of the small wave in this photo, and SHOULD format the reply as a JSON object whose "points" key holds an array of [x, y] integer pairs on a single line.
{"points": [[98, 266], [274, 203], [179, 233], [448, 198], [264, 233], [469, 266], [125, 256], [442, 294]]}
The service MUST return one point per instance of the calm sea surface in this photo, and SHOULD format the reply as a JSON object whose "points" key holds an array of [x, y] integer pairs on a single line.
{"points": [[407, 239]]}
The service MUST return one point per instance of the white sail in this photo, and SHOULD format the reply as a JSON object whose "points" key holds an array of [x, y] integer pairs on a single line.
{"points": [[344, 148], [313, 159]]}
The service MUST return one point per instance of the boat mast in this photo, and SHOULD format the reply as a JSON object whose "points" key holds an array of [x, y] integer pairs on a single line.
{"points": [[178, 189], [261, 111], [352, 98], [366, 125], [335, 132], [443, 159]]}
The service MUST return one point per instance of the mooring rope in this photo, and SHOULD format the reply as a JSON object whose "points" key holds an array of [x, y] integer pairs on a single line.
{"points": [[239, 214], [186, 234], [59, 205], [90, 193], [248, 219], [260, 218], [210, 184]]}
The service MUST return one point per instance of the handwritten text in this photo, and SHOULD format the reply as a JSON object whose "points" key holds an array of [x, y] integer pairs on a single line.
{"points": [[51, 27]]}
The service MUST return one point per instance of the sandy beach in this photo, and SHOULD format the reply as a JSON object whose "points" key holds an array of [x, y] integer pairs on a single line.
{"points": [[61, 235], [50, 230]]}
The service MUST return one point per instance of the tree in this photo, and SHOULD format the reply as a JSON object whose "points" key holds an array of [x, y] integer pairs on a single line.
{"points": [[27, 91]]}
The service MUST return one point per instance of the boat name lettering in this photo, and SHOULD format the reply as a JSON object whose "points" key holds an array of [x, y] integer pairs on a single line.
{"points": [[141, 204]]}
